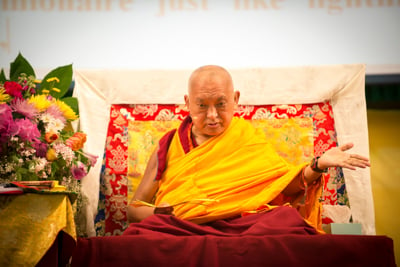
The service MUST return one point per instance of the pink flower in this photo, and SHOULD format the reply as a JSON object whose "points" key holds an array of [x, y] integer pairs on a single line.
{"points": [[79, 170], [92, 158], [23, 107], [13, 88], [25, 129], [6, 116], [55, 112], [6, 120]]}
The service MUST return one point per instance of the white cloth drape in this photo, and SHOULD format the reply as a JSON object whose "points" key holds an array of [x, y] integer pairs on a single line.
{"points": [[342, 85]]}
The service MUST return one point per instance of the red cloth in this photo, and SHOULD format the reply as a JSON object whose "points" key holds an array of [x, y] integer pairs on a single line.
{"points": [[279, 237], [164, 143]]}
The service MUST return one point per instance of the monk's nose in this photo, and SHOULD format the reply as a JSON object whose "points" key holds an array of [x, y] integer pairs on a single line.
{"points": [[212, 112]]}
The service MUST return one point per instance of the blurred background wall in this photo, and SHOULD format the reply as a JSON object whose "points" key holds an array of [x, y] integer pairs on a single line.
{"points": [[383, 113]]}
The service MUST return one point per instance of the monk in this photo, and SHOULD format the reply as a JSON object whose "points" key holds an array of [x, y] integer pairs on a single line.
{"points": [[217, 166]]}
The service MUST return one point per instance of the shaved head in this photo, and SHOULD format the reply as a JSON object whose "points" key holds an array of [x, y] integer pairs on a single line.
{"points": [[209, 73]]}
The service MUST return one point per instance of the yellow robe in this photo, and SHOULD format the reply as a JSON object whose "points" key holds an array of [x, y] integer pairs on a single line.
{"points": [[238, 169]]}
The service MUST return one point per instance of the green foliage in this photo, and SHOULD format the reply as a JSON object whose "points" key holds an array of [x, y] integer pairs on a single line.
{"points": [[64, 75], [20, 65], [2, 76], [73, 103]]}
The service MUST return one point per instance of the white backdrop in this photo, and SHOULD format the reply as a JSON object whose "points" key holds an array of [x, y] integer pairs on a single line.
{"points": [[343, 85], [184, 34]]}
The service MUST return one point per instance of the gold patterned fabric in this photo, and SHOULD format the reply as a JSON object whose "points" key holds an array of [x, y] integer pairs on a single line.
{"points": [[143, 139], [30, 223]]}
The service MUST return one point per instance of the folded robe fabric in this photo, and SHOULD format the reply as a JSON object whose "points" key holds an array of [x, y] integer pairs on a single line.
{"points": [[238, 168], [279, 237]]}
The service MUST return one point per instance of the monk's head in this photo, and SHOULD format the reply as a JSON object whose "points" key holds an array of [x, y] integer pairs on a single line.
{"points": [[211, 100]]}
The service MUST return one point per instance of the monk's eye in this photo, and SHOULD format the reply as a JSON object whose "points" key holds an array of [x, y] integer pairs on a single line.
{"points": [[221, 105], [202, 106]]}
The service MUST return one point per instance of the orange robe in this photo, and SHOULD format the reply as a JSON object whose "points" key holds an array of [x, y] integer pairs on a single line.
{"points": [[238, 169]]}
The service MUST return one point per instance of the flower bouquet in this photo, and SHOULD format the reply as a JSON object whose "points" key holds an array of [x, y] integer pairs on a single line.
{"points": [[37, 140]]}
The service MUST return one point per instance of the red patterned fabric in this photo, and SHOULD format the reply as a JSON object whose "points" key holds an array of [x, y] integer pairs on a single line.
{"points": [[111, 219]]}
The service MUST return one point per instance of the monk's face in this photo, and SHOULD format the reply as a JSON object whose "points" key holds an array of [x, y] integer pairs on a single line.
{"points": [[211, 101]]}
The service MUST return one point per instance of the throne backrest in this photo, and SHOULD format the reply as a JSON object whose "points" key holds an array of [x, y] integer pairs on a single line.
{"points": [[298, 132]]}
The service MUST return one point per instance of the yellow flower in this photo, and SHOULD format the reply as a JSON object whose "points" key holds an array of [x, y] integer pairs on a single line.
{"points": [[3, 96], [53, 79], [67, 111], [40, 102], [51, 155]]}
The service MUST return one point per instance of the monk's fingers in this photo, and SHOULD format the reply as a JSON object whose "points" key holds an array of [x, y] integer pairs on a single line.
{"points": [[356, 162], [358, 157], [164, 210], [346, 146], [360, 161]]}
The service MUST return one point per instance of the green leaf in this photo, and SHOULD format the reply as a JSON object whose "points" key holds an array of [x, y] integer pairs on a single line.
{"points": [[64, 75], [20, 65], [22, 174], [2, 76], [73, 103]]}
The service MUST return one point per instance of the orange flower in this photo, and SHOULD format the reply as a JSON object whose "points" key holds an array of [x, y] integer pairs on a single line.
{"points": [[50, 137], [76, 141]]}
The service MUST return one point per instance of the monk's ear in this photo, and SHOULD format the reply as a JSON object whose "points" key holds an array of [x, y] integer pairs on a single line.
{"points": [[186, 97], [236, 97]]}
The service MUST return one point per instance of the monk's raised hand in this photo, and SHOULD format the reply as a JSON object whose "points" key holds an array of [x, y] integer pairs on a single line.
{"points": [[338, 157]]}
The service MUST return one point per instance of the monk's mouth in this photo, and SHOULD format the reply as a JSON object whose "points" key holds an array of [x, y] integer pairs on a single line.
{"points": [[213, 125]]}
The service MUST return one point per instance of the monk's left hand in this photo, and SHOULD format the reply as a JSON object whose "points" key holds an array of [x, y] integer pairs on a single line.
{"points": [[164, 208], [338, 157]]}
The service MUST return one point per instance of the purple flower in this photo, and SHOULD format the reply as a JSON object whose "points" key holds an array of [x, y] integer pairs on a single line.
{"points": [[25, 129], [41, 149], [25, 108], [79, 170]]}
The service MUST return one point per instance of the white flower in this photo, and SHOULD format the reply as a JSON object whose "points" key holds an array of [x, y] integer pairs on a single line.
{"points": [[52, 124], [46, 118], [40, 164], [65, 151], [27, 152], [10, 167]]}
